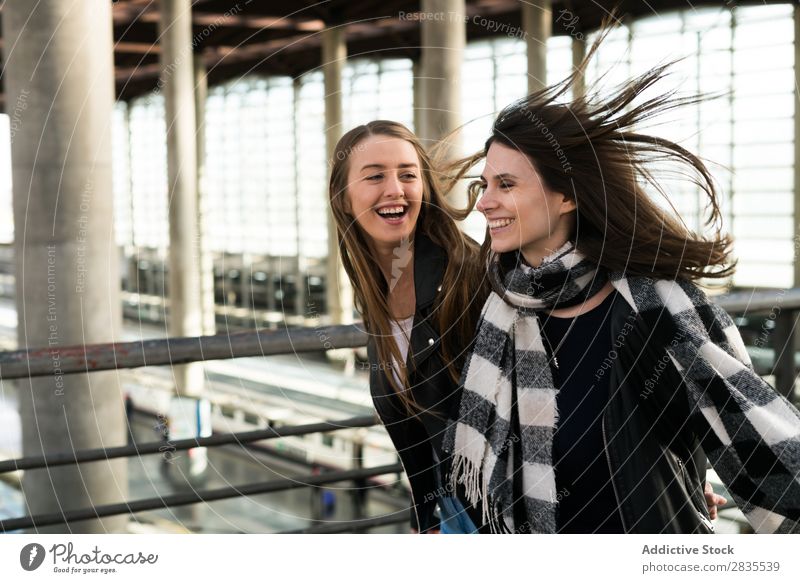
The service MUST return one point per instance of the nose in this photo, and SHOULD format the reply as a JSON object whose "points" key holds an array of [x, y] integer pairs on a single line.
{"points": [[394, 187], [486, 202]]}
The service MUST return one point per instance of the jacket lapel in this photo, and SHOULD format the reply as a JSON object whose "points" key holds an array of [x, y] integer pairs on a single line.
{"points": [[430, 262]]}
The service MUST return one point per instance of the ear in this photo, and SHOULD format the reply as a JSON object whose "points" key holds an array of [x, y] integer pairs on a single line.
{"points": [[567, 204]]}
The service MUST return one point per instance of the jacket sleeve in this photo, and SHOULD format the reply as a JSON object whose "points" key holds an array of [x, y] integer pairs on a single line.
{"points": [[750, 433], [417, 455]]}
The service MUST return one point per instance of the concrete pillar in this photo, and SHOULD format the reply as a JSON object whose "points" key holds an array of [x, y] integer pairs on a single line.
{"points": [[59, 75], [302, 308], [298, 267], [419, 99], [133, 251], [578, 55], [537, 22], [177, 80], [796, 257], [206, 263], [334, 56], [444, 35]]}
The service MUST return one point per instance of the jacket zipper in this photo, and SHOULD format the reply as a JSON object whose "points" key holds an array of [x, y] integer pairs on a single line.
{"points": [[706, 521], [703, 517], [611, 472]]}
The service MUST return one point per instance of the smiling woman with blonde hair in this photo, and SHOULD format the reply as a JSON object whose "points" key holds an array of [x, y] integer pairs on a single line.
{"points": [[419, 284]]}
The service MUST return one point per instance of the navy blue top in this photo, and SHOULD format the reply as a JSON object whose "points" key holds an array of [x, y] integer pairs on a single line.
{"points": [[586, 500]]}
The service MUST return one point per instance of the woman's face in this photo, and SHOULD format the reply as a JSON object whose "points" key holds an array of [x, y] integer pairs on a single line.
{"points": [[384, 192], [521, 211]]}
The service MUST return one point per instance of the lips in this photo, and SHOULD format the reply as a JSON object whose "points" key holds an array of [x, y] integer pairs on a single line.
{"points": [[497, 224], [392, 214]]}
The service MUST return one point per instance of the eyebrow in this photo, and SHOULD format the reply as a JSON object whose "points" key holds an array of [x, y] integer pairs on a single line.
{"points": [[382, 167], [503, 176]]}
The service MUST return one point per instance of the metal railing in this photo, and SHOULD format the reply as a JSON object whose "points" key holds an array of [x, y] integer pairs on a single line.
{"points": [[37, 362], [172, 351]]}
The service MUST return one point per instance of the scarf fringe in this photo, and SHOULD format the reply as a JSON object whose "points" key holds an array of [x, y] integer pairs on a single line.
{"points": [[476, 487], [466, 472]]}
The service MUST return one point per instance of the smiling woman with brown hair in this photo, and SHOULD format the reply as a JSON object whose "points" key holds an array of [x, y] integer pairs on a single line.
{"points": [[601, 376]]}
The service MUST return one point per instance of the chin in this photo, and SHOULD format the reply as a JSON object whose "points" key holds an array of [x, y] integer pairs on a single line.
{"points": [[503, 246], [396, 240]]}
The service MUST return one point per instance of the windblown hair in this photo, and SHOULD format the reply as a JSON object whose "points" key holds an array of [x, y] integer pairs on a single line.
{"points": [[591, 150], [464, 284]]}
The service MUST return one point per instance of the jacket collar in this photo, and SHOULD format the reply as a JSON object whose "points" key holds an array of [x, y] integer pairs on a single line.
{"points": [[430, 261]]}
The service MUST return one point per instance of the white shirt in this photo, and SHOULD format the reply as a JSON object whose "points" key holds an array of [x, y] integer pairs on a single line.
{"points": [[401, 330]]}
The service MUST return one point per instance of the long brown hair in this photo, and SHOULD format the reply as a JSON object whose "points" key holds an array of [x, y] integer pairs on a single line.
{"points": [[589, 149], [464, 284]]}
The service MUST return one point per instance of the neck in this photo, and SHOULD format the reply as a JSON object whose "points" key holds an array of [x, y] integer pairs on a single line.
{"points": [[394, 259], [587, 306], [534, 254], [396, 262], [534, 257]]}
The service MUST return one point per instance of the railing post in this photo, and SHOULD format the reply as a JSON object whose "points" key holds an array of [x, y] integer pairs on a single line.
{"points": [[783, 345], [359, 495]]}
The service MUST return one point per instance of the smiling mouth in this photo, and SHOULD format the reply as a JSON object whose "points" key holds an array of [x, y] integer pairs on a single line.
{"points": [[392, 213], [500, 223]]}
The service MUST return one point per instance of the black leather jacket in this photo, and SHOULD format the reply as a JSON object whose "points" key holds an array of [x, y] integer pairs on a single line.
{"points": [[415, 437], [652, 438], [652, 445]]}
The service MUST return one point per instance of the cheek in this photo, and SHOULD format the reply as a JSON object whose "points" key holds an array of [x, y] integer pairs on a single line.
{"points": [[538, 211], [418, 202], [348, 197], [416, 195], [356, 203]]}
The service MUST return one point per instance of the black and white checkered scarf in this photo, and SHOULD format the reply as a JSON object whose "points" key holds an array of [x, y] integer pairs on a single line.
{"points": [[753, 433]]}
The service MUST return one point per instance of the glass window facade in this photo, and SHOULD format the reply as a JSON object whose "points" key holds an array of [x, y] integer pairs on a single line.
{"points": [[265, 164]]}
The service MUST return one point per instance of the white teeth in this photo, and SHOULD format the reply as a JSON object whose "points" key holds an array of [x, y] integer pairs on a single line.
{"points": [[500, 223], [391, 210]]}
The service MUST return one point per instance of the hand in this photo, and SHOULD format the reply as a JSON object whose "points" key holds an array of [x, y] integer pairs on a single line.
{"points": [[712, 500], [429, 531]]}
